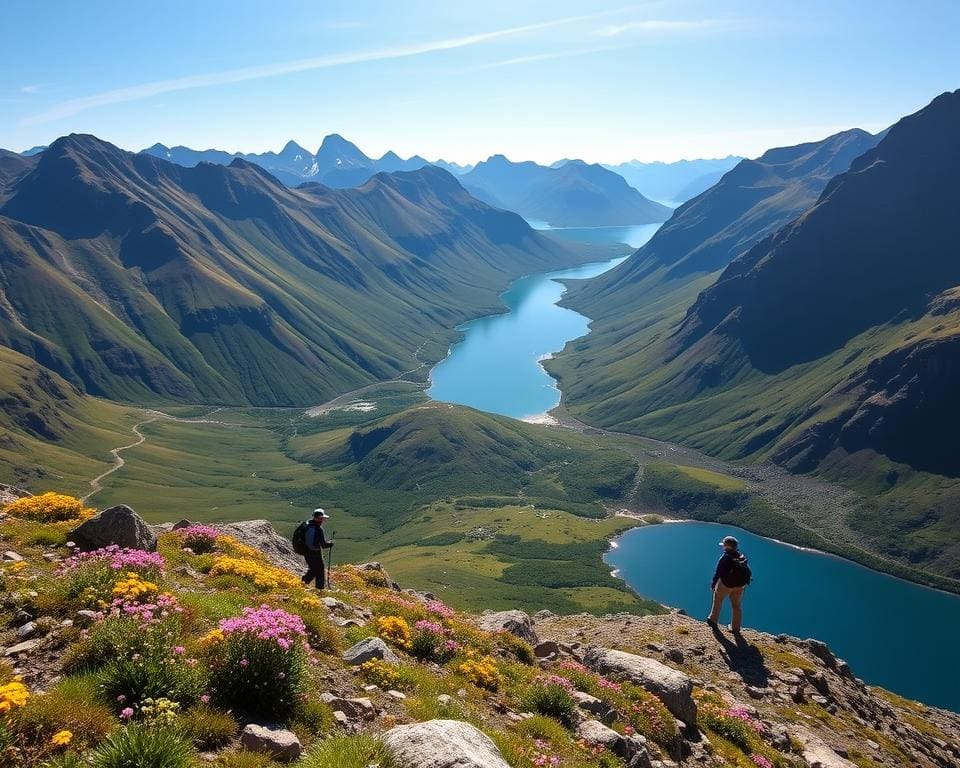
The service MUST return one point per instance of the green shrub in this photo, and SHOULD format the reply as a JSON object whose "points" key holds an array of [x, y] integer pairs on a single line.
{"points": [[137, 746], [242, 758], [312, 717], [550, 696], [154, 674], [321, 634], [72, 705], [348, 752], [208, 727]]}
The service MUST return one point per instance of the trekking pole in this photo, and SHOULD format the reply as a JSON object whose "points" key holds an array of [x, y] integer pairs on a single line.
{"points": [[330, 558]]}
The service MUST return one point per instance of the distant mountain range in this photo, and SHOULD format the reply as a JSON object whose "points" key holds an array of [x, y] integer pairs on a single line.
{"points": [[575, 194], [141, 280], [676, 182], [338, 163]]}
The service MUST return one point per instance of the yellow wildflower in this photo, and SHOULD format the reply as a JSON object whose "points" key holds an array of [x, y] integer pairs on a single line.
{"points": [[134, 589], [61, 738], [13, 694], [482, 672], [265, 577], [48, 508], [395, 630]]}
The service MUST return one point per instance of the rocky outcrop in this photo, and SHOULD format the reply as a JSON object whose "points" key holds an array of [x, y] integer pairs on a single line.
{"points": [[277, 743], [367, 649], [442, 744], [118, 525], [673, 688], [816, 751], [515, 622], [10, 493], [632, 750]]}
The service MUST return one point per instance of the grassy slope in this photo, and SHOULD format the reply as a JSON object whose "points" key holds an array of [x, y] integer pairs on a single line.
{"points": [[51, 437], [486, 511]]}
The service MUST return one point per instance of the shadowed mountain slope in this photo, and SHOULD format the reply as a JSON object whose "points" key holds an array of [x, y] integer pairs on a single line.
{"points": [[138, 279]]}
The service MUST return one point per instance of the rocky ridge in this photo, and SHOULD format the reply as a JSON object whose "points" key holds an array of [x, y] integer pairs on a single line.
{"points": [[803, 705]]}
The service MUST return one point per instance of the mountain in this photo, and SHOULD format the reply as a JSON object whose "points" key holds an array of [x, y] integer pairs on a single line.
{"points": [[34, 150], [574, 194], [678, 181], [455, 168], [13, 167], [338, 163], [141, 280], [829, 346]]}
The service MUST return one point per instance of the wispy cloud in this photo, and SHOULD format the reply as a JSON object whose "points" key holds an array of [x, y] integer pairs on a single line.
{"points": [[146, 90], [30, 89], [537, 57], [665, 26]]}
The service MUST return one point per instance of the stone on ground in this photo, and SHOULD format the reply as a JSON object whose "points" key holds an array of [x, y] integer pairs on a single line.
{"points": [[673, 688], [816, 752], [442, 744], [118, 525], [515, 622], [367, 649], [272, 740]]}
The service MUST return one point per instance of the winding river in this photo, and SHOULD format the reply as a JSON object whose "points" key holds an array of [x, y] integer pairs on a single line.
{"points": [[893, 633], [496, 366]]}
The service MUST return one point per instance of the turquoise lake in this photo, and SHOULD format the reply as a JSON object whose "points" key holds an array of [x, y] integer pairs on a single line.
{"points": [[893, 633], [496, 366]]}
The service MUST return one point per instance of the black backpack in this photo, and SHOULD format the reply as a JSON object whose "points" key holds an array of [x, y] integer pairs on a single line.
{"points": [[299, 538], [739, 574]]}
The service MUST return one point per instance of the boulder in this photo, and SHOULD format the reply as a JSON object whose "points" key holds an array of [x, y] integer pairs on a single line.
{"points": [[592, 704], [515, 622], [442, 744], [673, 688], [354, 709], [546, 650], [369, 648], [118, 525], [815, 751], [272, 740], [633, 751], [260, 534], [10, 493]]}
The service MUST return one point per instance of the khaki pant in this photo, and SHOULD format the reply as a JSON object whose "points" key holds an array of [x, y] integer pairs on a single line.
{"points": [[720, 593]]}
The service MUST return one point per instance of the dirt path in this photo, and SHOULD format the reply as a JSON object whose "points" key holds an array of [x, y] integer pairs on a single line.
{"points": [[118, 460], [96, 485]]}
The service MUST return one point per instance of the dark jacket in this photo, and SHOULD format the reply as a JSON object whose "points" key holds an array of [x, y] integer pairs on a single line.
{"points": [[725, 566], [315, 539]]}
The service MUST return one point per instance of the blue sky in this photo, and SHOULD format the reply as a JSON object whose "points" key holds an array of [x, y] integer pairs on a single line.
{"points": [[461, 80]]}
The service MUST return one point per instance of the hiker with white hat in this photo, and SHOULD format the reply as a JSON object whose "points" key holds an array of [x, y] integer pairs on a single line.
{"points": [[309, 540]]}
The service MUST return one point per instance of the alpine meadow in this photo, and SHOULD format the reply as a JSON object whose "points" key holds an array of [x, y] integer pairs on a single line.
{"points": [[416, 385]]}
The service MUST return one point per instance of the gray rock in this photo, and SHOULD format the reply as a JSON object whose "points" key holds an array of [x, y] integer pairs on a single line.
{"points": [[369, 648], [515, 622], [673, 688], [816, 752], [25, 647], [279, 743], [27, 630], [592, 704], [118, 525], [12, 557], [546, 650], [10, 493], [354, 709], [442, 744], [260, 534], [634, 751]]}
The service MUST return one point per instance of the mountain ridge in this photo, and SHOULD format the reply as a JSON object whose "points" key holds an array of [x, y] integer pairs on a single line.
{"points": [[164, 258]]}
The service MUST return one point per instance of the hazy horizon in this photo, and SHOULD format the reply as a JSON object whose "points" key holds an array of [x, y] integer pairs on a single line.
{"points": [[652, 81]]}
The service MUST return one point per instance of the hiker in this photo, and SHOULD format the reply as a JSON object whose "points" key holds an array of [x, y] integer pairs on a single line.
{"points": [[312, 542], [730, 579]]}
